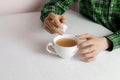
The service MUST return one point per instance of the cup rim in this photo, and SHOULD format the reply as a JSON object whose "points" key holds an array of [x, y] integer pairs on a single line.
{"points": [[66, 36]]}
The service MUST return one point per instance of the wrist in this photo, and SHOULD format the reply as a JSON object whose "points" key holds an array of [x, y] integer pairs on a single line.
{"points": [[107, 42]]}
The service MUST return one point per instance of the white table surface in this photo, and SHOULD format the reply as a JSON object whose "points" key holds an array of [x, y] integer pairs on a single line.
{"points": [[23, 55]]}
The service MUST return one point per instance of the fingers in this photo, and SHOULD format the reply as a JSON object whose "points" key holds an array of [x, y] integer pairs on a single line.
{"points": [[89, 54], [85, 36], [53, 22], [51, 19], [48, 30], [87, 49], [55, 19], [87, 57], [59, 31], [53, 29], [90, 48], [48, 20], [47, 25], [57, 22]]}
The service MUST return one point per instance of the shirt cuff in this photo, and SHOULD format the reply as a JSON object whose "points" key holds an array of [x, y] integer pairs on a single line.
{"points": [[114, 40]]}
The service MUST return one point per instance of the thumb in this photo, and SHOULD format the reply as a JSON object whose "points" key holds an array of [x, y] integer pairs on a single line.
{"points": [[63, 20], [85, 36]]}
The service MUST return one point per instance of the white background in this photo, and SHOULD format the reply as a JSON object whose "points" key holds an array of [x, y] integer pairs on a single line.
{"points": [[20, 6]]}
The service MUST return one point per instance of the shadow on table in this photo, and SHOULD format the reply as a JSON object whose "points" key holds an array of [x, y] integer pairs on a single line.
{"points": [[40, 48], [77, 57]]}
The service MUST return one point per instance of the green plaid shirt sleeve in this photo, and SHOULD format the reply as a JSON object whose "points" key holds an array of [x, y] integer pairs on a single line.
{"points": [[55, 6], [115, 39], [106, 13]]}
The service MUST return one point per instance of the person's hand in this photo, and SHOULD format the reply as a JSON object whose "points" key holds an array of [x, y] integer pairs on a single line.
{"points": [[53, 23], [90, 48]]}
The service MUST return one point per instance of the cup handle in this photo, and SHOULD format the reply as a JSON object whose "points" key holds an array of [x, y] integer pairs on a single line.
{"points": [[50, 45]]}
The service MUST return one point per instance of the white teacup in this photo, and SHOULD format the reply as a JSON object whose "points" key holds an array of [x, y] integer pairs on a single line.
{"points": [[63, 51]]}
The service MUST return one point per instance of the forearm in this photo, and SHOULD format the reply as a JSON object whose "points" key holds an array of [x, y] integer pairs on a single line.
{"points": [[55, 6]]}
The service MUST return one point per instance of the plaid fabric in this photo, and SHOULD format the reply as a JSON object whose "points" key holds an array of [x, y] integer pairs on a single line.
{"points": [[104, 12]]}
